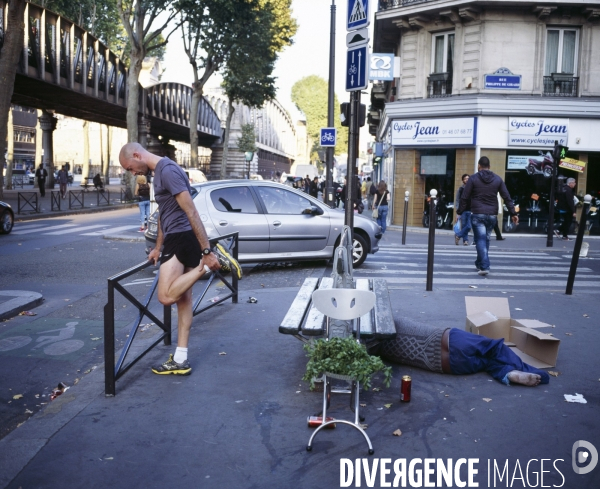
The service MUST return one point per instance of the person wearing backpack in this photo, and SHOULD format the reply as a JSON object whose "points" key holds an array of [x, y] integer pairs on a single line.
{"points": [[142, 192]]}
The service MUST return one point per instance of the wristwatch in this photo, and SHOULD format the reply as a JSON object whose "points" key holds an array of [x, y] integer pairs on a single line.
{"points": [[206, 251]]}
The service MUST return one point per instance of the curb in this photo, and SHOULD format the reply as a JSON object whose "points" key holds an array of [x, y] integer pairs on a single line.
{"points": [[23, 300]]}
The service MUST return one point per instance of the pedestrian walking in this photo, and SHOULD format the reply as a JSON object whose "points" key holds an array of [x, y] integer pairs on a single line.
{"points": [[465, 217], [186, 249], [313, 188], [566, 206], [480, 191], [41, 174], [63, 179], [497, 231], [381, 204], [142, 192], [369, 194]]}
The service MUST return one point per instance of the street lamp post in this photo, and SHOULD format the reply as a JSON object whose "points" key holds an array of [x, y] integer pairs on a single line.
{"points": [[249, 155]]}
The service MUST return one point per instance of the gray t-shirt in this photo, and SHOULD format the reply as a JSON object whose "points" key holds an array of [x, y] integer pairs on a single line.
{"points": [[170, 180]]}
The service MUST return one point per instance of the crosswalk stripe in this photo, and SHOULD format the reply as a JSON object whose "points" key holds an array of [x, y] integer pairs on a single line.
{"points": [[466, 273], [366, 266], [490, 281], [76, 230], [25, 227], [112, 230], [466, 254], [47, 228]]}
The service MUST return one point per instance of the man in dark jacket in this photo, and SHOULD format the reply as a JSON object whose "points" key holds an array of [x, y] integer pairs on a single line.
{"points": [[566, 205], [481, 192]]}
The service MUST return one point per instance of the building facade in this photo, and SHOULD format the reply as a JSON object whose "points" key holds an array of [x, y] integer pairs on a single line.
{"points": [[504, 79]]}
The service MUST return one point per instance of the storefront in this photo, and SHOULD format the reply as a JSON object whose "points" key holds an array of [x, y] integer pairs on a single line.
{"points": [[435, 153]]}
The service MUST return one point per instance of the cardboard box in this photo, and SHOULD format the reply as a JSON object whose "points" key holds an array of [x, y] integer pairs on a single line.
{"points": [[490, 316]]}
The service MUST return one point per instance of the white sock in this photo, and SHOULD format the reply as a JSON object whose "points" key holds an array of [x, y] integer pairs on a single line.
{"points": [[180, 355]]}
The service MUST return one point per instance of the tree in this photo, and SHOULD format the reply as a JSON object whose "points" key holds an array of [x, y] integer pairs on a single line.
{"points": [[310, 94], [138, 18], [214, 29], [10, 50], [247, 74]]}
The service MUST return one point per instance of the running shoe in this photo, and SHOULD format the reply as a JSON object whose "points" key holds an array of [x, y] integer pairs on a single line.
{"points": [[171, 367], [456, 239], [227, 262], [483, 272]]}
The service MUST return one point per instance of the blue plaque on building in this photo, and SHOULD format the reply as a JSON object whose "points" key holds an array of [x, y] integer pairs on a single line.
{"points": [[502, 79]]}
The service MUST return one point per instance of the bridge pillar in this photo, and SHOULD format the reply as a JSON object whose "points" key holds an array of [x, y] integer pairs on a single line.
{"points": [[48, 125]]}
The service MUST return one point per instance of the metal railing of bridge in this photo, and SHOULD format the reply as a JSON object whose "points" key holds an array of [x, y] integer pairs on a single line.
{"points": [[172, 102], [60, 52]]}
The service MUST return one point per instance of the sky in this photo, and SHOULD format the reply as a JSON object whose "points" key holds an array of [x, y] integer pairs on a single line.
{"points": [[309, 55]]}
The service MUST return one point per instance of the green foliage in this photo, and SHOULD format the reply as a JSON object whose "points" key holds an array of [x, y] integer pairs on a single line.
{"points": [[343, 357], [247, 141], [310, 94]]}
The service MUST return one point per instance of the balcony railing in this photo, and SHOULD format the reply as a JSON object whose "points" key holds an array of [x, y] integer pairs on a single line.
{"points": [[560, 85], [439, 85], [388, 4]]}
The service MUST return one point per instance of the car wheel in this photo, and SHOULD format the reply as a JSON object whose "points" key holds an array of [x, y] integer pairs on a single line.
{"points": [[359, 250], [6, 222]]}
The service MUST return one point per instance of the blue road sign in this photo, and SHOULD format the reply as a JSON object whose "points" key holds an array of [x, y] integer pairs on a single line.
{"points": [[358, 14], [356, 69], [328, 136]]}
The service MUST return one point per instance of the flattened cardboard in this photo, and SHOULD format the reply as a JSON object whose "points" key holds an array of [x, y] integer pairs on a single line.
{"points": [[490, 317]]}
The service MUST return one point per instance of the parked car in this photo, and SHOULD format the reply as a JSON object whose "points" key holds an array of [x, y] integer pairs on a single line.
{"points": [[196, 176], [7, 218], [275, 222]]}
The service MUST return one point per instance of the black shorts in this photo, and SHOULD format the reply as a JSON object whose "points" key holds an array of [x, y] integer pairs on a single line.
{"points": [[184, 246]]}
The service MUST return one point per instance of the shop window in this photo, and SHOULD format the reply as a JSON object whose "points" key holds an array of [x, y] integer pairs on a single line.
{"points": [[442, 65], [560, 71]]}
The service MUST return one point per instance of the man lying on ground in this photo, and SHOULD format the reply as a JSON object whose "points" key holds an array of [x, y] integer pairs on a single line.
{"points": [[454, 351]]}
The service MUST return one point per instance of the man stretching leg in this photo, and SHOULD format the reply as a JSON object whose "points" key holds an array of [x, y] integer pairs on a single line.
{"points": [[186, 247]]}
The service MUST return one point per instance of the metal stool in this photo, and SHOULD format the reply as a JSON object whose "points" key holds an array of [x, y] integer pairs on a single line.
{"points": [[343, 304]]}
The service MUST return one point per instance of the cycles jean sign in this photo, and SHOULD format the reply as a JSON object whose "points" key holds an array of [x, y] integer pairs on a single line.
{"points": [[428, 132], [532, 131]]}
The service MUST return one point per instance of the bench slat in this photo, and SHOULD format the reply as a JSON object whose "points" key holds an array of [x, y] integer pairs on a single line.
{"points": [[293, 319], [315, 321], [366, 321], [384, 322]]}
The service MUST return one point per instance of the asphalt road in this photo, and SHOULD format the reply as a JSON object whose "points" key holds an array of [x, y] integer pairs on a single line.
{"points": [[64, 340], [261, 443]]}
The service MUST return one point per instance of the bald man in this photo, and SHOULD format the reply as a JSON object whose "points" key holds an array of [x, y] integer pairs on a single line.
{"points": [[186, 247]]}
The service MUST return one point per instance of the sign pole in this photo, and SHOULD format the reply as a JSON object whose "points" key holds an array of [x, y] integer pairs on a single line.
{"points": [[352, 155], [577, 248], [329, 198]]}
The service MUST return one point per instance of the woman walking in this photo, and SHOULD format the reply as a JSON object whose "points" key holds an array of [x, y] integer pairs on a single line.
{"points": [[381, 203], [142, 192]]}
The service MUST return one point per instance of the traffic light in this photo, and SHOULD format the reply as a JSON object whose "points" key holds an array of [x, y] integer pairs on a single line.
{"points": [[376, 160], [345, 114], [559, 152]]}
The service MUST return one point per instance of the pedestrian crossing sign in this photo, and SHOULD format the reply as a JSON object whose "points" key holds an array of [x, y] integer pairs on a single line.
{"points": [[358, 14]]}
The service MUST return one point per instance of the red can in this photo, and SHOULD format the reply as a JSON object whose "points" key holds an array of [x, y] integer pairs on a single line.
{"points": [[316, 421], [405, 388]]}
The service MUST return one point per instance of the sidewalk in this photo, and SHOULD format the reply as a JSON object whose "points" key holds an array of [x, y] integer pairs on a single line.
{"points": [[44, 207], [240, 419]]}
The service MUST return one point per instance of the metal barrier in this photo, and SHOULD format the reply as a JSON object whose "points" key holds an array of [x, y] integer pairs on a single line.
{"points": [[113, 372], [29, 199], [76, 199], [18, 181], [126, 195], [103, 197], [55, 200]]}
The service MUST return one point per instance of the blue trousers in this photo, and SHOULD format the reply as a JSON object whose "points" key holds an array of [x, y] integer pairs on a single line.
{"points": [[465, 225], [382, 213], [483, 225], [471, 353]]}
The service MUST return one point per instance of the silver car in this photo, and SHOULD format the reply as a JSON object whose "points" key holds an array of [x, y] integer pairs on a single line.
{"points": [[275, 222]]}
